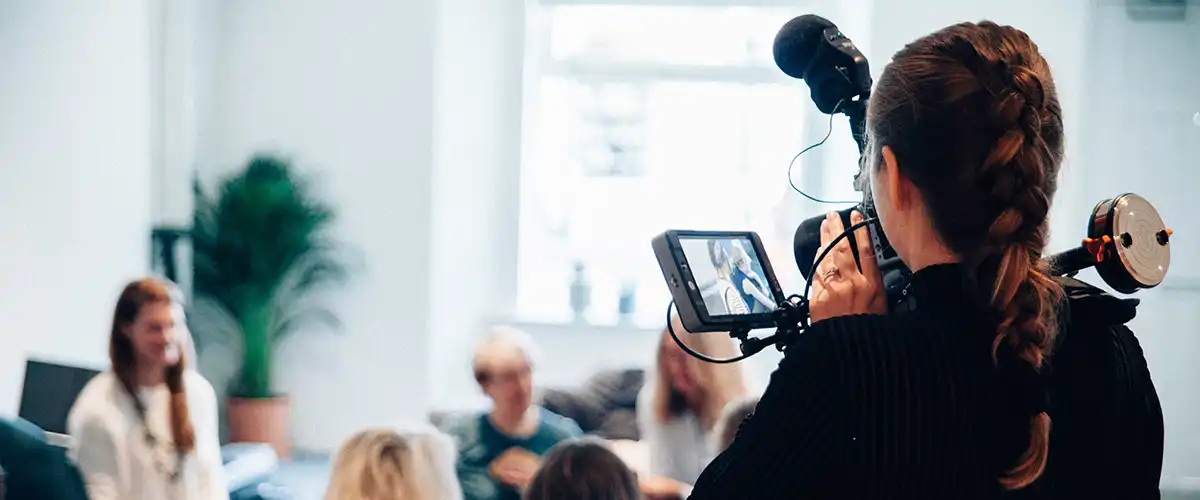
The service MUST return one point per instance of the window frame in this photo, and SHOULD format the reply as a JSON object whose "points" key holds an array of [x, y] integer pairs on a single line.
{"points": [[539, 64]]}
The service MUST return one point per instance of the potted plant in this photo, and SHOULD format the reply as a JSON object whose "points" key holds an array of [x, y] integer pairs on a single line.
{"points": [[260, 248]]}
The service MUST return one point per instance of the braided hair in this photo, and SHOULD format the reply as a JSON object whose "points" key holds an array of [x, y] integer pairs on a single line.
{"points": [[971, 114]]}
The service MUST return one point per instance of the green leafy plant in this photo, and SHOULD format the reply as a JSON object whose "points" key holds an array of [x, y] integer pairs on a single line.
{"points": [[261, 247]]}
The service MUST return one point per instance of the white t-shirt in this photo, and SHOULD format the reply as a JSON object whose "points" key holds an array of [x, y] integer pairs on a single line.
{"points": [[679, 449], [115, 458]]}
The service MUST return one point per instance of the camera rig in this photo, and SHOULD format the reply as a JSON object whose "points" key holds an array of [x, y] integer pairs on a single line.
{"points": [[1126, 239]]}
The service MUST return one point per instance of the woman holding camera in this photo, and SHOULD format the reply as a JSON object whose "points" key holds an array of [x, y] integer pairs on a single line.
{"points": [[966, 140]]}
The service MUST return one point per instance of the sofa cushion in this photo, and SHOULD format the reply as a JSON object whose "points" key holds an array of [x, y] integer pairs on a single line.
{"points": [[606, 405]]}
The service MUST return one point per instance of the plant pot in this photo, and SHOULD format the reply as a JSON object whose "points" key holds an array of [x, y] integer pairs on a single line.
{"points": [[261, 420]]}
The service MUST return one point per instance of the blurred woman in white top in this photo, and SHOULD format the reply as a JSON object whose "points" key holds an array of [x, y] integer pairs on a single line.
{"points": [[682, 401], [147, 428], [383, 464]]}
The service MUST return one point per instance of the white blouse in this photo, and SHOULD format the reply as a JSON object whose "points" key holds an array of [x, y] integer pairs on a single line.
{"points": [[118, 461], [679, 449]]}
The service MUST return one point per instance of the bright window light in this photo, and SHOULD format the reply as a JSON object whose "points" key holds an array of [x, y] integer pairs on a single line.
{"points": [[647, 118]]}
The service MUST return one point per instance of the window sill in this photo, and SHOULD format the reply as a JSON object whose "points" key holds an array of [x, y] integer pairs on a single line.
{"points": [[534, 327]]}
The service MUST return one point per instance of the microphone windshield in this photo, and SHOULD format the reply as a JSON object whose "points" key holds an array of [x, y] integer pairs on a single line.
{"points": [[797, 42]]}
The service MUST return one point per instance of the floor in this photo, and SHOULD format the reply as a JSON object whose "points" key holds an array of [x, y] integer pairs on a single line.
{"points": [[301, 479]]}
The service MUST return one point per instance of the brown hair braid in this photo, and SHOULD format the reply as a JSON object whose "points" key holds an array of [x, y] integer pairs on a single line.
{"points": [[972, 116]]}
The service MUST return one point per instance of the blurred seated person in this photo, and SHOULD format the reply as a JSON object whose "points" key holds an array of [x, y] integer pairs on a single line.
{"points": [[736, 412], [31, 468], [682, 400], [383, 464], [583, 469], [147, 428], [500, 450]]}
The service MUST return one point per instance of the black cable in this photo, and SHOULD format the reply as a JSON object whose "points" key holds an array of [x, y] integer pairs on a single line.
{"points": [[792, 163], [694, 354]]}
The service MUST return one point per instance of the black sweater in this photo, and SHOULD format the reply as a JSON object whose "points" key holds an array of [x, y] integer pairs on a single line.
{"points": [[1106, 415], [874, 406]]}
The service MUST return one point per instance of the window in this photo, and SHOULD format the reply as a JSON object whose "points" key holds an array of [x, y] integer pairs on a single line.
{"points": [[643, 118]]}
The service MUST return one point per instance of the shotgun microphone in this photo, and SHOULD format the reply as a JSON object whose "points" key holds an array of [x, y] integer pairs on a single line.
{"points": [[1126, 239]]}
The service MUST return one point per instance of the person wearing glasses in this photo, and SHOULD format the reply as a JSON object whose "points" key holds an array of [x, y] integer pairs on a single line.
{"points": [[500, 450]]}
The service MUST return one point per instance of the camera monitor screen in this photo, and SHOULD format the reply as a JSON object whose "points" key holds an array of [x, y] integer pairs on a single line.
{"points": [[729, 275]]}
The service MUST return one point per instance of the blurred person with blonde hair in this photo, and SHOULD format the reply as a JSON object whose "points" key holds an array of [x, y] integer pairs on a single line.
{"points": [[682, 402], [384, 464], [500, 450]]}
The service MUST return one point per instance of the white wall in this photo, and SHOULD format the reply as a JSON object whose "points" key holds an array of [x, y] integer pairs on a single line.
{"points": [[1138, 136], [74, 176], [345, 89], [174, 78], [477, 149]]}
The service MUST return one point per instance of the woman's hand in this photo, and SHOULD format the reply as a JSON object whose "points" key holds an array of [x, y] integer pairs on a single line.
{"points": [[838, 287], [661, 488]]}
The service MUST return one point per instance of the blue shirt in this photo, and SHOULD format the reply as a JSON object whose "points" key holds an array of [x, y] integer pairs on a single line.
{"points": [[479, 442], [34, 469], [739, 284]]}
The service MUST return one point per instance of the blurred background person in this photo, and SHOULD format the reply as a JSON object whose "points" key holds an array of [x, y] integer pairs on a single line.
{"points": [[31, 468], [682, 400], [499, 450], [147, 428], [583, 469], [736, 412], [383, 464]]}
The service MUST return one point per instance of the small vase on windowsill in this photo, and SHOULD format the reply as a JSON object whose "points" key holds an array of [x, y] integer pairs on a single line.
{"points": [[626, 304], [581, 292]]}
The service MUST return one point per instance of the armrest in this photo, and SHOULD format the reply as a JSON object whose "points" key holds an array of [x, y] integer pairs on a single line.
{"points": [[247, 464]]}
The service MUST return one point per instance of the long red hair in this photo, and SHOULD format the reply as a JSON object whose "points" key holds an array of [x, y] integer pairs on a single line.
{"points": [[136, 296]]}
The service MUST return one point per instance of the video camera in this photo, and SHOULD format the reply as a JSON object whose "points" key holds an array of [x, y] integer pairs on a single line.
{"points": [[722, 281]]}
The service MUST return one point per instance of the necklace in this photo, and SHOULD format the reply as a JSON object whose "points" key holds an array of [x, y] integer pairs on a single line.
{"points": [[156, 445]]}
